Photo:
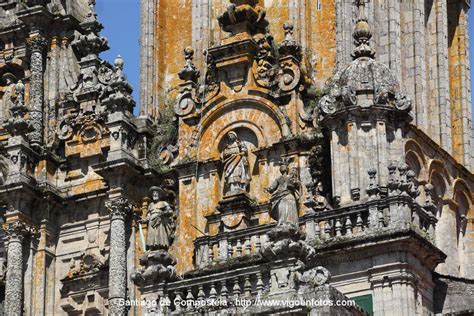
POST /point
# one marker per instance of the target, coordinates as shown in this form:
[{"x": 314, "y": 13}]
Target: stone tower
[
  {"x": 425, "y": 44},
  {"x": 297, "y": 151}
]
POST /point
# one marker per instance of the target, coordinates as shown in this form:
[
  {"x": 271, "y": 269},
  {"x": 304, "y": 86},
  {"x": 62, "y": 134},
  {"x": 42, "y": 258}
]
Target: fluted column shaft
[
  {"x": 37, "y": 46},
  {"x": 119, "y": 209}
]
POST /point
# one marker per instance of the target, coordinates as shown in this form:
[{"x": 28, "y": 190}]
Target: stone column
[
  {"x": 119, "y": 209},
  {"x": 15, "y": 232},
  {"x": 37, "y": 46}
]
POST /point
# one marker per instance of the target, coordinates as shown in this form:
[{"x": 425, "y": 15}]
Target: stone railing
[
  {"x": 218, "y": 290},
  {"x": 388, "y": 213},
  {"x": 227, "y": 245}
]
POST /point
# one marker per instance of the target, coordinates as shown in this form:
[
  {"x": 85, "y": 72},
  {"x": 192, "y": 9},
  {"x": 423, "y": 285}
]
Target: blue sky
[{"x": 121, "y": 19}]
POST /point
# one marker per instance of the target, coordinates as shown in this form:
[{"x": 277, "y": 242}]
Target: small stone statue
[
  {"x": 285, "y": 193},
  {"x": 161, "y": 221},
  {"x": 236, "y": 176},
  {"x": 320, "y": 199},
  {"x": 8, "y": 86}
]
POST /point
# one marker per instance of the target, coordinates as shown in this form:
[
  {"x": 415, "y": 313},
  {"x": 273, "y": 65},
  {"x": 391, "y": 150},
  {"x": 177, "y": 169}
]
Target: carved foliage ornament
[
  {"x": 18, "y": 230},
  {"x": 88, "y": 128},
  {"x": 118, "y": 208}
]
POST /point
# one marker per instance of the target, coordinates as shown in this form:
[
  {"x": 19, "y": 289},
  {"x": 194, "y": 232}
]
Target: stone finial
[
  {"x": 90, "y": 44},
  {"x": 362, "y": 35},
  {"x": 429, "y": 202},
  {"x": 373, "y": 188},
  {"x": 412, "y": 187},
  {"x": 119, "y": 62},
  {"x": 189, "y": 71},
  {"x": 118, "y": 94},
  {"x": 289, "y": 46},
  {"x": 288, "y": 28}
]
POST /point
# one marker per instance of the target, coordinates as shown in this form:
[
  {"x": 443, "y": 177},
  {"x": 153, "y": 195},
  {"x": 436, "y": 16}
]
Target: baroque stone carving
[
  {"x": 265, "y": 71},
  {"x": 157, "y": 264},
  {"x": 37, "y": 46},
  {"x": 17, "y": 124},
  {"x": 187, "y": 98},
  {"x": 365, "y": 83},
  {"x": 88, "y": 128},
  {"x": 118, "y": 93},
  {"x": 285, "y": 193},
  {"x": 8, "y": 86},
  {"x": 90, "y": 43},
  {"x": 241, "y": 14},
  {"x": 236, "y": 173},
  {"x": 161, "y": 221},
  {"x": 314, "y": 277},
  {"x": 88, "y": 264},
  {"x": 429, "y": 205},
  {"x": 373, "y": 188}
]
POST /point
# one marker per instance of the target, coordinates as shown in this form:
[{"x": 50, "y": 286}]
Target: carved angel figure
[
  {"x": 236, "y": 174},
  {"x": 161, "y": 221},
  {"x": 285, "y": 195}
]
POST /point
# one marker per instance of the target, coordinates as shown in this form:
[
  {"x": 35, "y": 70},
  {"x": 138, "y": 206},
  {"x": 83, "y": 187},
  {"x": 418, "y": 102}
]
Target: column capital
[
  {"x": 37, "y": 43},
  {"x": 118, "y": 208},
  {"x": 17, "y": 229}
]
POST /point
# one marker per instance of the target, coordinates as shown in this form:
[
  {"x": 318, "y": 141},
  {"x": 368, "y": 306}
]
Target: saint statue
[
  {"x": 161, "y": 221},
  {"x": 285, "y": 193},
  {"x": 8, "y": 86},
  {"x": 236, "y": 174},
  {"x": 320, "y": 199}
]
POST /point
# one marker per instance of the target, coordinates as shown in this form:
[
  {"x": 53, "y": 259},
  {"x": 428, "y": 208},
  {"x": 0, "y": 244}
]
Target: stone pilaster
[
  {"x": 15, "y": 232},
  {"x": 37, "y": 46},
  {"x": 119, "y": 209}
]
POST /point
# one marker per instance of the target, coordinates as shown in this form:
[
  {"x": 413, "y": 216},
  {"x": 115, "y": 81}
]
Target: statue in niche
[
  {"x": 236, "y": 175},
  {"x": 319, "y": 198},
  {"x": 285, "y": 193},
  {"x": 8, "y": 83},
  {"x": 161, "y": 221}
]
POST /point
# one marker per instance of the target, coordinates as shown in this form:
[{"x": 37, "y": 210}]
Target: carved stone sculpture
[
  {"x": 285, "y": 195},
  {"x": 157, "y": 264},
  {"x": 8, "y": 86},
  {"x": 161, "y": 222},
  {"x": 236, "y": 175}
]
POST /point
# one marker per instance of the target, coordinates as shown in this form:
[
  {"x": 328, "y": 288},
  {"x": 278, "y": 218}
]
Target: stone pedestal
[{"x": 233, "y": 213}]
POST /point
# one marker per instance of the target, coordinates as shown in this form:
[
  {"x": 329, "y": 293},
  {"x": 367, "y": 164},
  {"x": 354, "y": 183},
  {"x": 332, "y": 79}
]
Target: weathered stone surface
[{"x": 370, "y": 199}]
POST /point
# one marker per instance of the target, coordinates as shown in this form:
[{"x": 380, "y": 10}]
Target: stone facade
[{"x": 326, "y": 158}]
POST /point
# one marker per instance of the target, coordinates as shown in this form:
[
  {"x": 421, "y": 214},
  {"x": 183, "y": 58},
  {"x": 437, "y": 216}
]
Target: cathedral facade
[{"x": 308, "y": 157}]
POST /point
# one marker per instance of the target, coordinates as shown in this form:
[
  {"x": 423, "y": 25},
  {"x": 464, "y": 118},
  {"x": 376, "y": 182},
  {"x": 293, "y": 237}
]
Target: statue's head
[
  {"x": 232, "y": 136},
  {"x": 284, "y": 168},
  {"x": 157, "y": 193}
]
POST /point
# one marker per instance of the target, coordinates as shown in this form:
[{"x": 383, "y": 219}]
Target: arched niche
[
  {"x": 10, "y": 74},
  {"x": 465, "y": 229},
  {"x": 414, "y": 163},
  {"x": 261, "y": 118},
  {"x": 415, "y": 158}
]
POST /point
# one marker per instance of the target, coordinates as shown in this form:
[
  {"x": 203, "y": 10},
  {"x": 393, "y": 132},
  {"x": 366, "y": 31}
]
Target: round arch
[{"x": 264, "y": 119}]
